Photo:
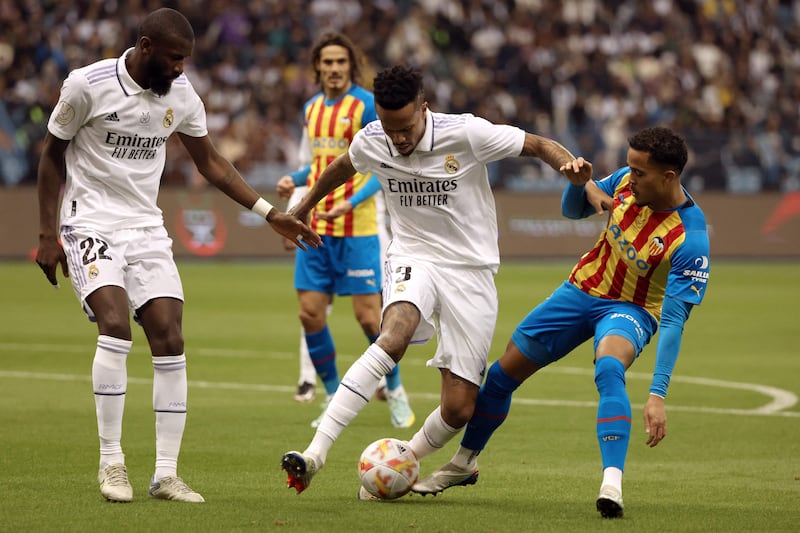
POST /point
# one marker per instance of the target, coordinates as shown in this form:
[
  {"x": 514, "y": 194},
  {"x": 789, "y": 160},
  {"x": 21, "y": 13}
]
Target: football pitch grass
[{"x": 730, "y": 462}]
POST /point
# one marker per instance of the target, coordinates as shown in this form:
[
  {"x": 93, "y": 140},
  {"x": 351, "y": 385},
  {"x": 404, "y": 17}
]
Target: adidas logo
[
  {"x": 384, "y": 165},
  {"x": 112, "y": 117}
]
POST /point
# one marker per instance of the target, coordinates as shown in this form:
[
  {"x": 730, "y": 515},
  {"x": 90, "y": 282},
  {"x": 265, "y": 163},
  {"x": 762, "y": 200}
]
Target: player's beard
[{"x": 159, "y": 82}]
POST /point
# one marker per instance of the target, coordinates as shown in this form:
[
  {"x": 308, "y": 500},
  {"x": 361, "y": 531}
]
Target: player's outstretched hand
[
  {"x": 296, "y": 231},
  {"x": 655, "y": 420},
  {"x": 342, "y": 208},
  {"x": 285, "y": 187},
  {"x": 49, "y": 255},
  {"x": 578, "y": 171}
]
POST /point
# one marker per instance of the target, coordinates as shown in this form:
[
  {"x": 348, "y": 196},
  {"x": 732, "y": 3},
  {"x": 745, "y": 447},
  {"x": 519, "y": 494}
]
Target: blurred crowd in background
[{"x": 725, "y": 73}]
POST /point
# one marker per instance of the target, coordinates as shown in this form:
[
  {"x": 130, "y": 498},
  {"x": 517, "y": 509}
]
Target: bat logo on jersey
[
  {"x": 65, "y": 114},
  {"x": 656, "y": 246},
  {"x": 145, "y": 118},
  {"x": 451, "y": 165},
  {"x": 169, "y": 118}
]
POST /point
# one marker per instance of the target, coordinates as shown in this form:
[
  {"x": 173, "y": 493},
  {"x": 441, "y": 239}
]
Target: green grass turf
[{"x": 730, "y": 462}]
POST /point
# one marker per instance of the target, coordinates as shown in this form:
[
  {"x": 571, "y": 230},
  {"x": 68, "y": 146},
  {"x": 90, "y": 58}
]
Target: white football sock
[
  {"x": 612, "y": 476},
  {"x": 356, "y": 388},
  {"x": 169, "y": 403},
  {"x": 110, "y": 383},
  {"x": 308, "y": 374},
  {"x": 464, "y": 458},
  {"x": 433, "y": 434}
]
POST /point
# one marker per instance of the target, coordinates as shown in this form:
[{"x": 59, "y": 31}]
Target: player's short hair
[
  {"x": 335, "y": 38},
  {"x": 398, "y": 86},
  {"x": 164, "y": 23},
  {"x": 664, "y": 146}
]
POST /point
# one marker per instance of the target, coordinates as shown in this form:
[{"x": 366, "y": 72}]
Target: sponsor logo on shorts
[
  {"x": 360, "y": 273},
  {"x": 639, "y": 330}
]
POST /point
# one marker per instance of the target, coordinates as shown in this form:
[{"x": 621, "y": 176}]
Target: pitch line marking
[{"x": 781, "y": 399}]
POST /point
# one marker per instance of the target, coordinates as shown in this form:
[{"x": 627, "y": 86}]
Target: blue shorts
[
  {"x": 569, "y": 317},
  {"x": 341, "y": 266}
]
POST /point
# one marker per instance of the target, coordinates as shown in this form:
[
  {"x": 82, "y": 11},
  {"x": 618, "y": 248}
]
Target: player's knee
[
  {"x": 609, "y": 372},
  {"x": 457, "y": 414},
  {"x": 312, "y": 321},
  {"x": 114, "y": 325}
]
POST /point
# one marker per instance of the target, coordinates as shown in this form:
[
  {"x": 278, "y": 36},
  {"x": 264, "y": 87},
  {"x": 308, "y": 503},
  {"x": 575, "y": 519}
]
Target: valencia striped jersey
[
  {"x": 644, "y": 255},
  {"x": 331, "y": 125}
]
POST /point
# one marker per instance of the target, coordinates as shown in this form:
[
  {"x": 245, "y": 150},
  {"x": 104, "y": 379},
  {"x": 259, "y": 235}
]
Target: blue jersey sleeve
[
  {"x": 690, "y": 265},
  {"x": 573, "y": 202},
  {"x": 369, "y": 189},
  {"x": 300, "y": 177},
  {"x": 674, "y": 314}
]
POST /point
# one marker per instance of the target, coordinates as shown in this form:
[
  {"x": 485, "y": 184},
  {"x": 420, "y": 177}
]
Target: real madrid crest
[
  {"x": 451, "y": 164},
  {"x": 93, "y": 271},
  {"x": 169, "y": 118}
]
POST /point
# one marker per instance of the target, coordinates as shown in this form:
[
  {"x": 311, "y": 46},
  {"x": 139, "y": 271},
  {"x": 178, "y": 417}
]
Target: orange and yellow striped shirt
[
  {"x": 331, "y": 126},
  {"x": 631, "y": 260}
]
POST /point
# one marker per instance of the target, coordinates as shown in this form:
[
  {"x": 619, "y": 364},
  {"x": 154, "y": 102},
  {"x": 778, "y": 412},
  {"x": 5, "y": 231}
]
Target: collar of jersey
[
  {"x": 425, "y": 144},
  {"x": 129, "y": 86}
]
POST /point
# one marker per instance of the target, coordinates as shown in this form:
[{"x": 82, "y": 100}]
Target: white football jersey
[
  {"x": 440, "y": 203},
  {"x": 118, "y": 133}
]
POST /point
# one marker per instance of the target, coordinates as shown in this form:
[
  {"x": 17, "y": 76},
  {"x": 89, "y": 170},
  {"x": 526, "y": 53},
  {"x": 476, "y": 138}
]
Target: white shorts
[
  {"x": 138, "y": 260},
  {"x": 459, "y": 305}
]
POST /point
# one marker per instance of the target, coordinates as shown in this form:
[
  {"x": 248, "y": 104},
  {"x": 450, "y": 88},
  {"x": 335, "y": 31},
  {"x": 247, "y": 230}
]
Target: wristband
[{"x": 262, "y": 207}]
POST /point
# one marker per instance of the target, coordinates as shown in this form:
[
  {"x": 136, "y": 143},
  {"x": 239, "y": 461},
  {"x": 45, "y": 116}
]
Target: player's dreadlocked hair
[
  {"x": 164, "y": 23},
  {"x": 665, "y": 147},
  {"x": 338, "y": 39},
  {"x": 398, "y": 86}
]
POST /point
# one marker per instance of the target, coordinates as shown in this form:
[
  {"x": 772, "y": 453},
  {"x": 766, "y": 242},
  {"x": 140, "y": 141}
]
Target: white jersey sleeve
[{"x": 73, "y": 107}]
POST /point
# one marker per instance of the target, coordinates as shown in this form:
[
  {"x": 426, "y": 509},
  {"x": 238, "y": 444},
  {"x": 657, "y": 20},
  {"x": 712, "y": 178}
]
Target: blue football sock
[
  {"x": 613, "y": 412},
  {"x": 491, "y": 408},
  {"x": 323, "y": 355}
]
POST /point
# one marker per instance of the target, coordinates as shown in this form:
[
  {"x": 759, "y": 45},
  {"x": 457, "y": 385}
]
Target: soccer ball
[{"x": 388, "y": 468}]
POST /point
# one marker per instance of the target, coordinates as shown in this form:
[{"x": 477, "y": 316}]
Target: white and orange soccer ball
[{"x": 388, "y": 468}]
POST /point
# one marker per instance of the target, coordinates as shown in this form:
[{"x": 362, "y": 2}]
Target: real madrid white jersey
[
  {"x": 439, "y": 199},
  {"x": 118, "y": 134}
]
